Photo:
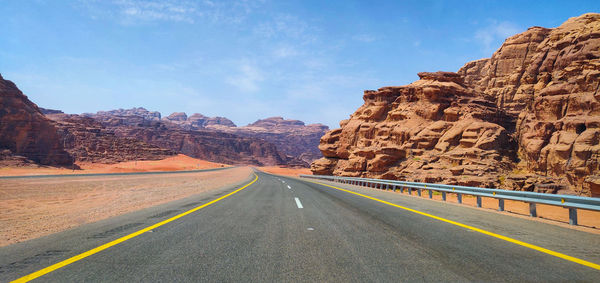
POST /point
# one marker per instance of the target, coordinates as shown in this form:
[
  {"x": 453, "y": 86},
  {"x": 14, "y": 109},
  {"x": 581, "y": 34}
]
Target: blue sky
[{"x": 245, "y": 60}]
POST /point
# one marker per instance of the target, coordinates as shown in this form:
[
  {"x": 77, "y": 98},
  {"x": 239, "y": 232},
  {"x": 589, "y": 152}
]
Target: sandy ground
[
  {"x": 175, "y": 163},
  {"x": 285, "y": 171},
  {"x": 30, "y": 208},
  {"x": 589, "y": 220}
]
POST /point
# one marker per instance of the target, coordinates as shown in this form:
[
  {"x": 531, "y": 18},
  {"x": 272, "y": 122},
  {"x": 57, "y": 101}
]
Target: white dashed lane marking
[{"x": 298, "y": 203}]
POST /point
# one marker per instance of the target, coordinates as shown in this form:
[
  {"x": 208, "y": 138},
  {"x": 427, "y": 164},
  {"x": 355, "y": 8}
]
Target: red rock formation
[
  {"x": 125, "y": 114},
  {"x": 209, "y": 145},
  {"x": 86, "y": 139},
  {"x": 188, "y": 135},
  {"x": 553, "y": 76},
  {"x": 177, "y": 117},
  {"x": 292, "y": 137},
  {"x": 25, "y": 131},
  {"x": 527, "y": 118},
  {"x": 296, "y": 143},
  {"x": 198, "y": 121},
  {"x": 434, "y": 129}
]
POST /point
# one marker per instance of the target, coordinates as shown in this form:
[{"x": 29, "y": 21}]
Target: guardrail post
[
  {"x": 532, "y": 210},
  {"x": 478, "y": 201},
  {"x": 430, "y": 194},
  {"x": 409, "y": 190},
  {"x": 572, "y": 216},
  {"x": 401, "y": 189},
  {"x": 459, "y": 198},
  {"x": 444, "y": 196},
  {"x": 394, "y": 187},
  {"x": 500, "y": 204},
  {"x": 387, "y": 187},
  {"x": 419, "y": 192}
]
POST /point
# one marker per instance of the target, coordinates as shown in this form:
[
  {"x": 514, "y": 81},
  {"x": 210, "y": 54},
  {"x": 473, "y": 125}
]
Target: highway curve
[{"x": 282, "y": 229}]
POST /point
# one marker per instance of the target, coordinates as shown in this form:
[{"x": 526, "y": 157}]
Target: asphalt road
[{"x": 282, "y": 229}]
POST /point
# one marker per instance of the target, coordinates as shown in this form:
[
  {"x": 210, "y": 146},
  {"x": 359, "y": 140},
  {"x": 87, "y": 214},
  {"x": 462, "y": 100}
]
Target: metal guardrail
[{"x": 567, "y": 201}]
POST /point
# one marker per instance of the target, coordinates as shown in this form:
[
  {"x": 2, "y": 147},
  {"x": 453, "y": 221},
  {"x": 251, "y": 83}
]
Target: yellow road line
[
  {"x": 505, "y": 238},
  {"x": 73, "y": 259}
]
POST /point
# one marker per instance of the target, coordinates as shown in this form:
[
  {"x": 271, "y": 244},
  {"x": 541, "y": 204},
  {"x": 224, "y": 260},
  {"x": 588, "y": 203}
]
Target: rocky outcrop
[
  {"x": 296, "y": 143},
  {"x": 528, "y": 118},
  {"x": 9, "y": 159},
  {"x": 176, "y": 133},
  {"x": 292, "y": 137},
  {"x": 125, "y": 117},
  {"x": 49, "y": 111},
  {"x": 88, "y": 140},
  {"x": 177, "y": 117},
  {"x": 276, "y": 124},
  {"x": 209, "y": 145},
  {"x": 198, "y": 121},
  {"x": 435, "y": 129},
  {"x": 24, "y": 130}
]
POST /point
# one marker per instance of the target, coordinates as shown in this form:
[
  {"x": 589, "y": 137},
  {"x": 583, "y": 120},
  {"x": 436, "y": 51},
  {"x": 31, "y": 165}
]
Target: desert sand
[
  {"x": 31, "y": 208},
  {"x": 175, "y": 163}
]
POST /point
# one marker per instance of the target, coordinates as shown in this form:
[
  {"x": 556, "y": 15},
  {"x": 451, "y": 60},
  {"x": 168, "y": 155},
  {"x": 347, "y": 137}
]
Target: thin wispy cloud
[
  {"x": 248, "y": 77},
  {"x": 285, "y": 26},
  {"x": 491, "y": 36},
  {"x": 285, "y": 51},
  {"x": 364, "y": 37},
  {"x": 159, "y": 10},
  {"x": 184, "y": 11}
]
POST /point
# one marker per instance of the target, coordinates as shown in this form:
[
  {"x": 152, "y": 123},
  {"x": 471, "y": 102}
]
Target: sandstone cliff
[
  {"x": 295, "y": 142},
  {"x": 199, "y": 121},
  {"x": 292, "y": 137},
  {"x": 179, "y": 133},
  {"x": 528, "y": 118},
  {"x": 24, "y": 130},
  {"x": 87, "y": 140}
]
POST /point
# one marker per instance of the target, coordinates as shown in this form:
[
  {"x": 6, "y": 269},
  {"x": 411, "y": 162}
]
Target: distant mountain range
[{"x": 29, "y": 134}]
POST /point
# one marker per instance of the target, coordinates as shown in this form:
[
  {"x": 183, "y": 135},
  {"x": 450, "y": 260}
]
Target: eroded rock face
[
  {"x": 209, "y": 145},
  {"x": 292, "y": 137},
  {"x": 527, "y": 118},
  {"x": 88, "y": 140},
  {"x": 25, "y": 131},
  {"x": 198, "y": 121},
  {"x": 548, "y": 80},
  {"x": 272, "y": 141},
  {"x": 434, "y": 129}
]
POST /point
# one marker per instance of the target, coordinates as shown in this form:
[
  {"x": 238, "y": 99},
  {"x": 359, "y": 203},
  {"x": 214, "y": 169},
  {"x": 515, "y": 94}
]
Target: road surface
[{"x": 283, "y": 229}]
